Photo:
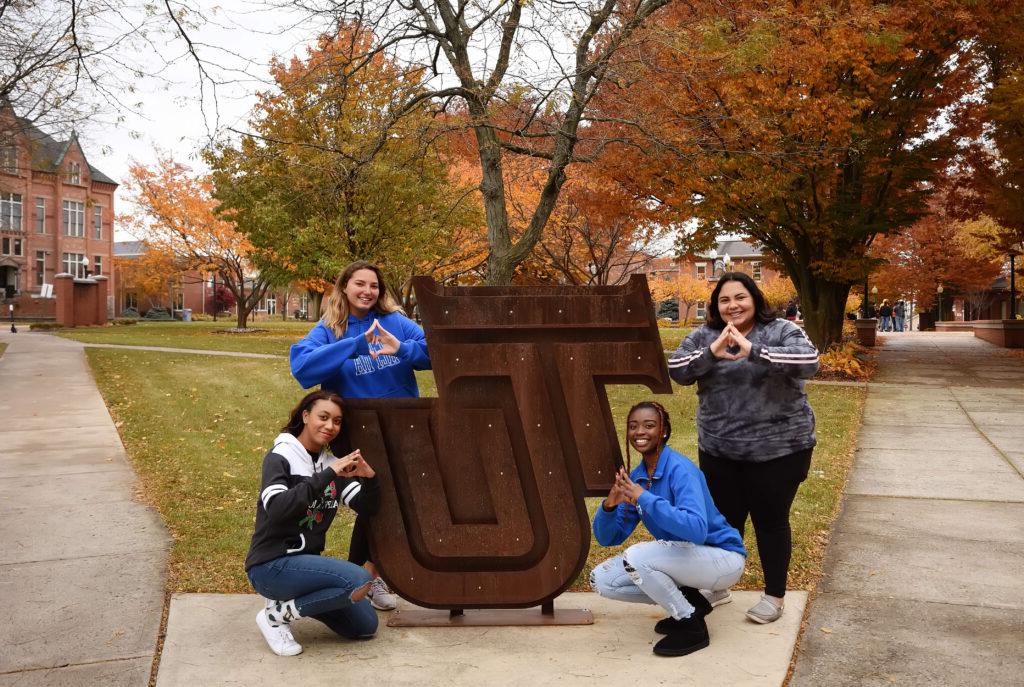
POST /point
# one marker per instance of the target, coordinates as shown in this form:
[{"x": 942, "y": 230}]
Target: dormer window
[
  {"x": 74, "y": 173},
  {"x": 8, "y": 158}
]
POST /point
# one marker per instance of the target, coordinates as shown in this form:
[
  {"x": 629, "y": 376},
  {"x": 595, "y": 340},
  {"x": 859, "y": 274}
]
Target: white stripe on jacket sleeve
[{"x": 270, "y": 492}]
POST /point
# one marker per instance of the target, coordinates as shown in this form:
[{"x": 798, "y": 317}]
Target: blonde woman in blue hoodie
[{"x": 364, "y": 347}]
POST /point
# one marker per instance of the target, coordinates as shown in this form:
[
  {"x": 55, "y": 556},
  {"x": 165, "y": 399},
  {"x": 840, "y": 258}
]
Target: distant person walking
[
  {"x": 899, "y": 312},
  {"x": 364, "y": 347},
  {"x": 755, "y": 428},
  {"x": 791, "y": 311},
  {"x": 885, "y": 324}
]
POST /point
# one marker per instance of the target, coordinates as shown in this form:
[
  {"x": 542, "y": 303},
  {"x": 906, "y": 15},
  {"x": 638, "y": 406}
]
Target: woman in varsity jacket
[
  {"x": 303, "y": 485},
  {"x": 364, "y": 347},
  {"x": 755, "y": 428}
]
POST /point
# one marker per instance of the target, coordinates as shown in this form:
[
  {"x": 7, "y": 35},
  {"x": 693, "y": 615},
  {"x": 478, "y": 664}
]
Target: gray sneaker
[
  {"x": 764, "y": 611},
  {"x": 722, "y": 596},
  {"x": 381, "y": 597}
]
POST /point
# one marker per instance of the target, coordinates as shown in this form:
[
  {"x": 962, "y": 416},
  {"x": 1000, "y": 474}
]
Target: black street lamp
[
  {"x": 10, "y": 309},
  {"x": 939, "y": 292},
  {"x": 1015, "y": 250},
  {"x": 85, "y": 265}
]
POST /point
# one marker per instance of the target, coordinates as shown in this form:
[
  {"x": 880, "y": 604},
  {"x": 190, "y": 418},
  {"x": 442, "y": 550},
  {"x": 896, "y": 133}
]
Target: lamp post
[
  {"x": 85, "y": 265},
  {"x": 727, "y": 262},
  {"x": 938, "y": 291},
  {"x": 1015, "y": 250},
  {"x": 10, "y": 309}
]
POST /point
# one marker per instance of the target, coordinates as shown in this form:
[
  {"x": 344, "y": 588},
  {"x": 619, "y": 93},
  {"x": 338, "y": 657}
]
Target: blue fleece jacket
[
  {"x": 676, "y": 506},
  {"x": 344, "y": 365}
]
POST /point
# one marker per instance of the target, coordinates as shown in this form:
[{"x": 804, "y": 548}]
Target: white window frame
[
  {"x": 72, "y": 264},
  {"x": 74, "y": 218},
  {"x": 97, "y": 264},
  {"x": 131, "y": 300},
  {"x": 271, "y": 305},
  {"x": 40, "y": 215},
  {"x": 701, "y": 270},
  {"x": 702, "y": 310},
  {"x": 755, "y": 270},
  {"x": 40, "y": 267},
  {"x": 97, "y": 221},
  {"x": 74, "y": 173},
  {"x": 11, "y": 210}
]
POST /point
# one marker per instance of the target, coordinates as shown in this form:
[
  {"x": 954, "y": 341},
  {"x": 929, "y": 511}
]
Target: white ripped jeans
[{"x": 652, "y": 572}]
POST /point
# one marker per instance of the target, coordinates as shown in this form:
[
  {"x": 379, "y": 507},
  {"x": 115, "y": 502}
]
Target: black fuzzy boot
[
  {"x": 701, "y": 608},
  {"x": 690, "y": 634}
]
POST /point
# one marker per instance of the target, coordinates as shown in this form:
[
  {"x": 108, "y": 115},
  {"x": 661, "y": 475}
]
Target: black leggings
[
  {"x": 359, "y": 546},
  {"x": 765, "y": 491}
]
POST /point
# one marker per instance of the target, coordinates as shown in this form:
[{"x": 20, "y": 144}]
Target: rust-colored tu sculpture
[{"x": 482, "y": 503}]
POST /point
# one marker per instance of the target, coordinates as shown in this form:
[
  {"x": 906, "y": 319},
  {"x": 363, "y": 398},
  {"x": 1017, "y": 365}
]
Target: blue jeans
[
  {"x": 898, "y": 322},
  {"x": 322, "y": 588},
  {"x": 652, "y": 572}
]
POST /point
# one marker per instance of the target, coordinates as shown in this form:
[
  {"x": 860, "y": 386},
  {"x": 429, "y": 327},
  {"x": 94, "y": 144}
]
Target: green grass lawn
[
  {"x": 206, "y": 336},
  {"x": 196, "y": 428},
  {"x": 3, "y": 347},
  {"x": 215, "y": 336}
]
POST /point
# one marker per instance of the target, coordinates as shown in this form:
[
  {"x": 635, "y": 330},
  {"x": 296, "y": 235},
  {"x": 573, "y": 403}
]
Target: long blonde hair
[{"x": 336, "y": 311}]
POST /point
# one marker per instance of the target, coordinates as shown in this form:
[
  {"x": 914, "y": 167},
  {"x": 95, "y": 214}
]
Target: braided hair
[{"x": 666, "y": 427}]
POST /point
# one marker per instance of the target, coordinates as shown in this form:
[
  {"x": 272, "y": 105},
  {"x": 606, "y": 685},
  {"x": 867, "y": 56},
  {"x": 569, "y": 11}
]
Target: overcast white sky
[{"x": 242, "y": 37}]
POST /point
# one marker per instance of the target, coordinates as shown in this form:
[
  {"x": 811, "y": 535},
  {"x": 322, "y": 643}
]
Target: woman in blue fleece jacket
[
  {"x": 694, "y": 548},
  {"x": 364, "y": 347}
]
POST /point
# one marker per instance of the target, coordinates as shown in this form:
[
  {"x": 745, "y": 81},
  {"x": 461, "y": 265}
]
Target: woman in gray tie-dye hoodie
[{"x": 755, "y": 428}]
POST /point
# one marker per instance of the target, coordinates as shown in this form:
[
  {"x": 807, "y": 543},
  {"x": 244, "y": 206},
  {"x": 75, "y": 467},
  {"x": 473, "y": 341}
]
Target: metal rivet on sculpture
[{"x": 482, "y": 503}]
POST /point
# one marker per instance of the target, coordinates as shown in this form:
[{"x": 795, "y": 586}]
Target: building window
[
  {"x": 755, "y": 268},
  {"x": 702, "y": 310},
  {"x": 178, "y": 303},
  {"x": 131, "y": 300},
  {"x": 97, "y": 222},
  {"x": 702, "y": 270},
  {"x": 40, "y": 267},
  {"x": 9, "y": 157},
  {"x": 74, "y": 218},
  {"x": 271, "y": 305},
  {"x": 72, "y": 264},
  {"x": 10, "y": 211},
  {"x": 97, "y": 264},
  {"x": 40, "y": 215},
  {"x": 12, "y": 246},
  {"x": 303, "y": 307},
  {"x": 74, "y": 173}
]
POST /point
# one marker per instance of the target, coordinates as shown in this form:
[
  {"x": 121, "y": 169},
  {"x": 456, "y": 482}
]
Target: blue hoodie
[
  {"x": 345, "y": 367},
  {"x": 675, "y": 507}
]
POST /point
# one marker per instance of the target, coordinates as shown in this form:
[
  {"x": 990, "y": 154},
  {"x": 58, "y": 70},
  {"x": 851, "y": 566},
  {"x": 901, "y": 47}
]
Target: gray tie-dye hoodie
[{"x": 752, "y": 409}]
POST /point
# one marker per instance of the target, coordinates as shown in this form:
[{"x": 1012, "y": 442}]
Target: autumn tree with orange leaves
[
  {"x": 688, "y": 290},
  {"x": 808, "y": 127},
  {"x": 176, "y": 216},
  {"x": 325, "y": 175}
]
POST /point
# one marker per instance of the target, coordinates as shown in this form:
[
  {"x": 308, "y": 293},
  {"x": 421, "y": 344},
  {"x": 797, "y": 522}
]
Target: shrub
[
  {"x": 44, "y": 326},
  {"x": 847, "y": 360},
  {"x": 123, "y": 321}
]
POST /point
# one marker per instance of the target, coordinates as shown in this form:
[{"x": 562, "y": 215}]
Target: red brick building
[{"x": 56, "y": 210}]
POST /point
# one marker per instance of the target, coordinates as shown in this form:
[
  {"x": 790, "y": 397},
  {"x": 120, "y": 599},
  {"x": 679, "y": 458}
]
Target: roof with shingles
[
  {"x": 48, "y": 153},
  {"x": 128, "y": 248}
]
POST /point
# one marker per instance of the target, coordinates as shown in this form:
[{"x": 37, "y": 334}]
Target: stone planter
[
  {"x": 1005, "y": 333},
  {"x": 866, "y": 330}
]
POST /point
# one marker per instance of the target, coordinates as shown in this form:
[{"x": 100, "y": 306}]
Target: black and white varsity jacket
[{"x": 299, "y": 497}]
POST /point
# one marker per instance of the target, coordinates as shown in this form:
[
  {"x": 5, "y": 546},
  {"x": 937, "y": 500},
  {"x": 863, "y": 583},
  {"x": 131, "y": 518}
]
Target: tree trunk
[
  {"x": 824, "y": 308},
  {"x": 241, "y": 307}
]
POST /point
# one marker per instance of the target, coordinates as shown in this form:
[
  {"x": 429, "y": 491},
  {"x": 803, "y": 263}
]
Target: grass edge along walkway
[{"x": 196, "y": 428}]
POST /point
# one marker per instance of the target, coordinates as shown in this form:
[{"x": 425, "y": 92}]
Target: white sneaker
[
  {"x": 764, "y": 611},
  {"x": 279, "y": 639},
  {"x": 382, "y": 598},
  {"x": 722, "y": 596}
]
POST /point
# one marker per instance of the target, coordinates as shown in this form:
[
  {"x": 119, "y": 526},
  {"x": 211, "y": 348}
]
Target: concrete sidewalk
[
  {"x": 82, "y": 565},
  {"x": 923, "y": 580},
  {"x": 212, "y": 639}
]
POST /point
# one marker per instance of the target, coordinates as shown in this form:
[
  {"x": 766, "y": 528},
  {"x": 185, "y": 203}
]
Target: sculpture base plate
[{"x": 490, "y": 617}]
